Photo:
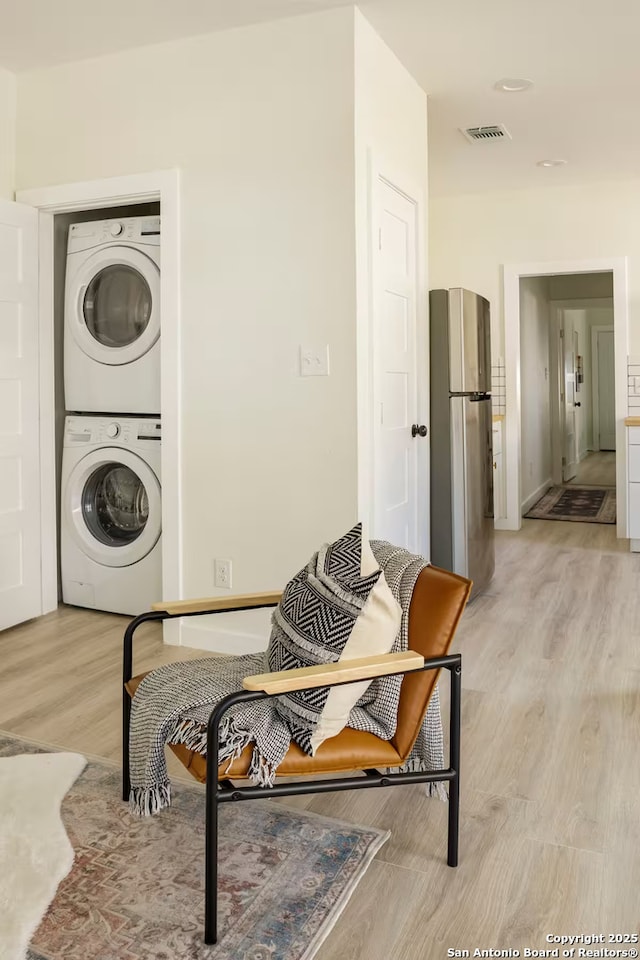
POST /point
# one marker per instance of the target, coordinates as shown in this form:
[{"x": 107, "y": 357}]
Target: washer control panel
[
  {"x": 139, "y": 229},
  {"x": 88, "y": 430}
]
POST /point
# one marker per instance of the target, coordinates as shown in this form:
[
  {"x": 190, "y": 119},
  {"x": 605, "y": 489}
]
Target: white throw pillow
[{"x": 374, "y": 632}]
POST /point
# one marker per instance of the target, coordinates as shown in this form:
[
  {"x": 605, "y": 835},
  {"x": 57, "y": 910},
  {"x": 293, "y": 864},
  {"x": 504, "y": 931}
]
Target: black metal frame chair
[{"x": 224, "y": 791}]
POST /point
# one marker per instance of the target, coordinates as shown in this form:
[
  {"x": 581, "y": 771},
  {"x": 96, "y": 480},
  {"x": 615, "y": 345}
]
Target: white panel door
[
  {"x": 570, "y": 443},
  {"x": 20, "y": 571},
  {"x": 606, "y": 392},
  {"x": 396, "y": 451}
]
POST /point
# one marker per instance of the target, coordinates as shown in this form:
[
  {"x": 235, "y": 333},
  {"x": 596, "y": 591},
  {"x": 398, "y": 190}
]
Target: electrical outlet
[{"x": 223, "y": 574}]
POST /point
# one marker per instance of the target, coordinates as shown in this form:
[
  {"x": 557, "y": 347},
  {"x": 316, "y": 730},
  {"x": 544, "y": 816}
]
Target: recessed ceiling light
[
  {"x": 551, "y": 163},
  {"x": 513, "y": 85}
]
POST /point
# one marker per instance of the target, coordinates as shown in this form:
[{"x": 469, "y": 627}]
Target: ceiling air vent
[{"x": 496, "y": 131}]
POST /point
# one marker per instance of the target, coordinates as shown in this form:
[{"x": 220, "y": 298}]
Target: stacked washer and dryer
[{"x": 111, "y": 493}]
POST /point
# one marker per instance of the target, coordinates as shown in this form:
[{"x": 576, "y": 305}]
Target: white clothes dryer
[
  {"x": 112, "y": 316},
  {"x": 111, "y": 522}
]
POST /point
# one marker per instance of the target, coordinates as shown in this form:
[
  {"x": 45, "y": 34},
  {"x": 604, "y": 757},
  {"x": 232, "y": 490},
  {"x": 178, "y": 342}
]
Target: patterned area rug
[
  {"x": 136, "y": 888},
  {"x": 586, "y": 504}
]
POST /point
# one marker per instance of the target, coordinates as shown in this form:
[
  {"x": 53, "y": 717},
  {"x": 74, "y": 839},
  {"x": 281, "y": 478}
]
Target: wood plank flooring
[
  {"x": 550, "y": 823},
  {"x": 598, "y": 469}
]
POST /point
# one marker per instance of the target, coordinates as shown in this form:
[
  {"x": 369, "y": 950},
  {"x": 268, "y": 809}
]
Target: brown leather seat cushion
[
  {"x": 350, "y": 750},
  {"x": 438, "y": 600}
]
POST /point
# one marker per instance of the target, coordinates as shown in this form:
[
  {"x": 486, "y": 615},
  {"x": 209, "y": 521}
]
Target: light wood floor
[
  {"x": 598, "y": 469},
  {"x": 550, "y": 832}
]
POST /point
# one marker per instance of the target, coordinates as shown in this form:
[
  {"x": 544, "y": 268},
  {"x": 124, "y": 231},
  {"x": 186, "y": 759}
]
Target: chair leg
[
  {"x": 211, "y": 867},
  {"x": 211, "y": 835},
  {"x": 454, "y": 763}
]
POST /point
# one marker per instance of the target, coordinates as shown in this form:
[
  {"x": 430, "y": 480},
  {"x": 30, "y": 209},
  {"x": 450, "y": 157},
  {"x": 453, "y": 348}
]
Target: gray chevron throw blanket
[{"x": 174, "y": 702}]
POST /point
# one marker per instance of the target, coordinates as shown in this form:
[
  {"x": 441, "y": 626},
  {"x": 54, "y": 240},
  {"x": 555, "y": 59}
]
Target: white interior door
[
  {"x": 396, "y": 451},
  {"x": 606, "y": 426},
  {"x": 20, "y": 572},
  {"x": 568, "y": 405}
]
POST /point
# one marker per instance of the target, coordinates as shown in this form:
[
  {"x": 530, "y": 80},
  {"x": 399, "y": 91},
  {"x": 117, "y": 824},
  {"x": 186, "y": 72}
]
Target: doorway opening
[
  {"x": 62, "y": 222},
  {"x": 566, "y": 346},
  {"x": 54, "y": 210},
  {"x": 567, "y": 364}
]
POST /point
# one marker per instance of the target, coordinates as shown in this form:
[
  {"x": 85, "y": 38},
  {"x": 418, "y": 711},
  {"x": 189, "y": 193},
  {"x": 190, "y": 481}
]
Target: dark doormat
[{"x": 585, "y": 504}]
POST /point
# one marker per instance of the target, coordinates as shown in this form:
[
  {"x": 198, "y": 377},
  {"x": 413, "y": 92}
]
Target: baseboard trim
[
  {"x": 535, "y": 496},
  {"x": 171, "y": 633},
  {"x": 214, "y": 636}
]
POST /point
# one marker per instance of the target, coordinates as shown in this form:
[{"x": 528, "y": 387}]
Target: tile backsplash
[
  {"x": 498, "y": 390},
  {"x": 633, "y": 385}
]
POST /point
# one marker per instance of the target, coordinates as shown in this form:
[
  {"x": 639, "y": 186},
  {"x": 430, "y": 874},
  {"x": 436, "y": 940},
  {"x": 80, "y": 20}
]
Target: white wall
[
  {"x": 535, "y": 392},
  {"x": 390, "y": 139},
  {"x": 260, "y": 121},
  {"x": 7, "y": 133},
  {"x": 471, "y": 237}
]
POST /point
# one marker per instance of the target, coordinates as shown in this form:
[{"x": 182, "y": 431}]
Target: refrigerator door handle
[{"x": 474, "y": 396}]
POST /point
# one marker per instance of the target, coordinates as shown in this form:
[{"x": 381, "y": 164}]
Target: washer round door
[
  {"x": 115, "y": 304},
  {"x": 113, "y": 504}
]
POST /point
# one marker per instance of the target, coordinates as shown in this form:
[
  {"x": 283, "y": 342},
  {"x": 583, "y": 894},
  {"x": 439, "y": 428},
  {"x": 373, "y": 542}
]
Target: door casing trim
[
  {"x": 512, "y": 274},
  {"x": 162, "y": 185}
]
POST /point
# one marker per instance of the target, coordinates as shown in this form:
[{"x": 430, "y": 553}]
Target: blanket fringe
[
  {"x": 146, "y": 801},
  {"x": 437, "y": 790},
  {"x": 232, "y": 740},
  {"x": 261, "y": 772},
  {"x": 193, "y": 735}
]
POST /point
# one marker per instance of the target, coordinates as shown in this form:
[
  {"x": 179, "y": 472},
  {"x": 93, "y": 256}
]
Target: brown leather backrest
[{"x": 439, "y": 597}]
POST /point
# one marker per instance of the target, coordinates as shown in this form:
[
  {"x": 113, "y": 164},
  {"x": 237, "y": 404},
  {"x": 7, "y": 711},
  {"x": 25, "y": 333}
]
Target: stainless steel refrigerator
[{"x": 462, "y": 531}]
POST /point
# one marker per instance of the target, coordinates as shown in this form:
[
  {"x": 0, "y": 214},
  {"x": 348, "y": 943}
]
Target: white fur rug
[{"x": 35, "y": 853}]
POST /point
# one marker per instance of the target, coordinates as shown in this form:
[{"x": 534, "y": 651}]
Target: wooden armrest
[
  {"x": 219, "y": 604},
  {"x": 328, "y": 674}
]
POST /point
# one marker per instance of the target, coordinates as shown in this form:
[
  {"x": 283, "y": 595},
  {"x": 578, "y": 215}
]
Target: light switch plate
[{"x": 314, "y": 361}]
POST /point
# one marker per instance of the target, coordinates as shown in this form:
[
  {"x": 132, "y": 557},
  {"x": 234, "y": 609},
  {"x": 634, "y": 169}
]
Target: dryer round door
[
  {"x": 115, "y": 304},
  {"x": 113, "y": 506}
]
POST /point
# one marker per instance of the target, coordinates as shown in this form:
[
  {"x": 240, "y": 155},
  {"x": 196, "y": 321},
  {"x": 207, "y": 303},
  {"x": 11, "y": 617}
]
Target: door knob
[
  {"x": 578, "y": 404},
  {"x": 418, "y": 430}
]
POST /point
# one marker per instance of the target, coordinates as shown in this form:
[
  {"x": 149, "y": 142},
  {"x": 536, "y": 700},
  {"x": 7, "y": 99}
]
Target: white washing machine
[
  {"x": 111, "y": 513},
  {"x": 112, "y": 316}
]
